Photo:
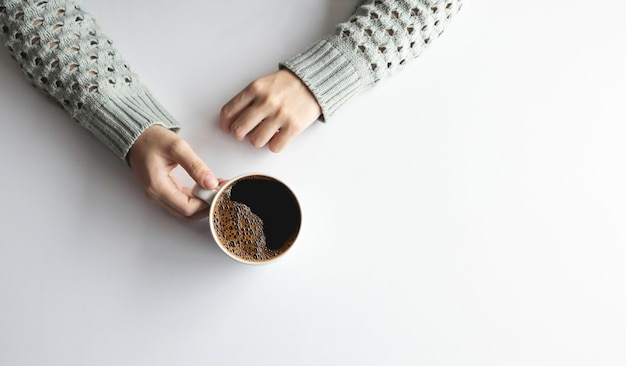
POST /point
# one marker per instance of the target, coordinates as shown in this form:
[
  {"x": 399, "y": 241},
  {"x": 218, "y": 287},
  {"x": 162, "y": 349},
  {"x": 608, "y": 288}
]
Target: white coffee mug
[{"x": 254, "y": 218}]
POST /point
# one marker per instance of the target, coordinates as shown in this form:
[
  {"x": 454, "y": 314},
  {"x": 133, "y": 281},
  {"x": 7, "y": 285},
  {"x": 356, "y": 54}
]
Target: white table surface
[{"x": 468, "y": 211}]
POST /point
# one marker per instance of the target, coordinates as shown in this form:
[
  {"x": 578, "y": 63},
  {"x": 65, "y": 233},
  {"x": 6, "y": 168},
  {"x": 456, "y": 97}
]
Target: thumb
[{"x": 184, "y": 155}]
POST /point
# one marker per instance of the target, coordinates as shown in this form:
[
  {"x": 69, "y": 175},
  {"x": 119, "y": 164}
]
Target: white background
[{"x": 468, "y": 211}]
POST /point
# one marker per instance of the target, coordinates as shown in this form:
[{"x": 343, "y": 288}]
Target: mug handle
[{"x": 207, "y": 195}]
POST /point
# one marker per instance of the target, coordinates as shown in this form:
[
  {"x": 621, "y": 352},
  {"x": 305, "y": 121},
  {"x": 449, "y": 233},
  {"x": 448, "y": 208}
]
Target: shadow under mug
[{"x": 254, "y": 218}]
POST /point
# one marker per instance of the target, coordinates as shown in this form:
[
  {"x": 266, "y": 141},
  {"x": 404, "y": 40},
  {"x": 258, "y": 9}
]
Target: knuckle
[
  {"x": 256, "y": 141},
  {"x": 255, "y": 87},
  {"x": 275, "y": 148},
  {"x": 177, "y": 146},
  {"x": 239, "y": 132},
  {"x": 225, "y": 111},
  {"x": 276, "y": 104},
  {"x": 273, "y": 102},
  {"x": 187, "y": 212}
]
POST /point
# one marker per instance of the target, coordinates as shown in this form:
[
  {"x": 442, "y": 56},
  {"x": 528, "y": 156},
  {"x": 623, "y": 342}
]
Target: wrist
[
  {"x": 146, "y": 138},
  {"x": 300, "y": 88},
  {"x": 331, "y": 90}
]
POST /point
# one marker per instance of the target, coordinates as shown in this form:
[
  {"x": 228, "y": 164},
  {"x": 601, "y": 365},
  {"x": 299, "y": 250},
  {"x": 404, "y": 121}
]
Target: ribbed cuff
[
  {"x": 329, "y": 75},
  {"x": 117, "y": 118}
]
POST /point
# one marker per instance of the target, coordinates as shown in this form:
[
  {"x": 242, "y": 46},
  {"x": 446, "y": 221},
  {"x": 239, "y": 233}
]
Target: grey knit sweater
[{"x": 64, "y": 53}]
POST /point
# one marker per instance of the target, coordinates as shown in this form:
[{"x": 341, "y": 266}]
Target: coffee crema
[{"x": 256, "y": 219}]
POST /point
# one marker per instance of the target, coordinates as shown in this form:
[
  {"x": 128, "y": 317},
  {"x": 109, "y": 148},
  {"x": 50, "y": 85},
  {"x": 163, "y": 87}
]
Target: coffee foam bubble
[{"x": 240, "y": 231}]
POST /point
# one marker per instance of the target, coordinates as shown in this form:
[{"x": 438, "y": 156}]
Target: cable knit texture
[
  {"x": 379, "y": 38},
  {"x": 64, "y": 53}
]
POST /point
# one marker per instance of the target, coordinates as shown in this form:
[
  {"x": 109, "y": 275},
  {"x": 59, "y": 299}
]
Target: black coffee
[{"x": 257, "y": 218}]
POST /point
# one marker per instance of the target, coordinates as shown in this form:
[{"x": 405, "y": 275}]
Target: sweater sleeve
[
  {"x": 379, "y": 38},
  {"x": 64, "y": 53}
]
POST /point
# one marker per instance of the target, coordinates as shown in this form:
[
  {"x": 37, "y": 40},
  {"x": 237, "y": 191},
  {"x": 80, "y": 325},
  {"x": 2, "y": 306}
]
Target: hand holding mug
[{"x": 154, "y": 156}]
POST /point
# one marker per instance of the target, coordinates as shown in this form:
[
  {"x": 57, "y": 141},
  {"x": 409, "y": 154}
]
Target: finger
[
  {"x": 194, "y": 217},
  {"x": 176, "y": 182},
  {"x": 231, "y": 110},
  {"x": 204, "y": 212},
  {"x": 184, "y": 155},
  {"x": 282, "y": 138},
  {"x": 248, "y": 120},
  {"x": 264, "y": 132},
  {"x": 184, "y": 203},
  {"x": 189, "y": 192}
]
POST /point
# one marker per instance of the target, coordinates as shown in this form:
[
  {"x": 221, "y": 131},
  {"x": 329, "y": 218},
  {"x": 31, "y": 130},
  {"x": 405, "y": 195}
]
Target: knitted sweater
[
  {"x": 64, "y": 53},
  {"x": 379, "y": 38}
]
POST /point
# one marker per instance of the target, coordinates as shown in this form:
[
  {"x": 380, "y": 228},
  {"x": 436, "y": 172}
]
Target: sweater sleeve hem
[{"x": 123, "y": 117}]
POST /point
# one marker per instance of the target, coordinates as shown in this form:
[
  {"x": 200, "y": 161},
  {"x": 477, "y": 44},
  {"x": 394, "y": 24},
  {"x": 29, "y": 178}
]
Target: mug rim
[{"x": 230, "y": 183}]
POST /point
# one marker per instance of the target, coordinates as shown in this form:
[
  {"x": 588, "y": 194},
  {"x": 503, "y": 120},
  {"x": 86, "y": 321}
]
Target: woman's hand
[
  {"x": 154, "y": 156},
  {"x": 273, "y": 109}
]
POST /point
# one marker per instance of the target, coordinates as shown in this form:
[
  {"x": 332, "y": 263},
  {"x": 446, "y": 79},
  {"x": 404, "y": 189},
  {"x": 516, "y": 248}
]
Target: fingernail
[{"x": 210, "y": 182}]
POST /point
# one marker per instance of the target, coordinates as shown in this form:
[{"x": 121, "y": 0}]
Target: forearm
[
  {"x": 379, "y": 39},
  {"x": 64, "y": 53}
]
